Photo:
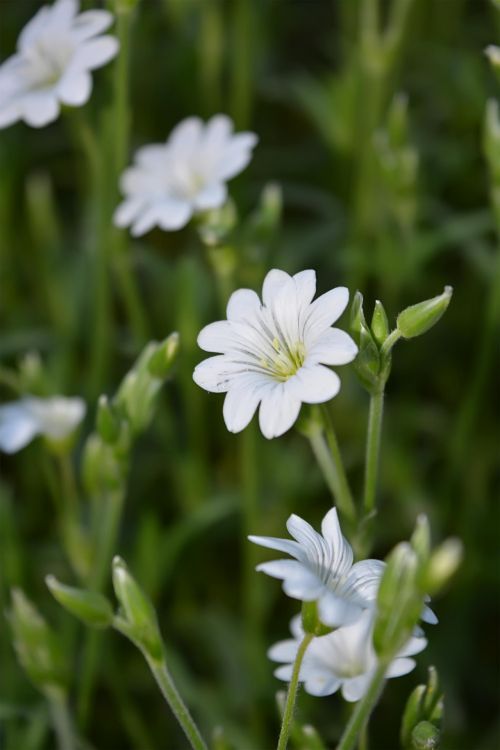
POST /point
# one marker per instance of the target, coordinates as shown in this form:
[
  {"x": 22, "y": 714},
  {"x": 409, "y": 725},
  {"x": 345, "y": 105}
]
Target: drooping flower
[
  {"x": 55, "y": 418},
  {"x": 323, "y": 571},
  {"x": 344, "y": 659},
  {"x": 56, "y": 51},
  {"x": 172, "y": 181},
  {"x": 274, "y": 352}
]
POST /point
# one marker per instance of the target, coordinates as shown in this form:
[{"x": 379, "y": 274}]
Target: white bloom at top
[
  {"x": 274, "y": 352},
  {"x": 323, "y": 571},
  {"x": 56, "y": 51},
  {"x": 55, "y": 418},
  {"x": 171, "y": 181},
  {"x": 343, "y": 659}
]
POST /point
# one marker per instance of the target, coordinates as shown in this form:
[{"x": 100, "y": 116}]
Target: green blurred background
[{"x": 373, "y": 130}]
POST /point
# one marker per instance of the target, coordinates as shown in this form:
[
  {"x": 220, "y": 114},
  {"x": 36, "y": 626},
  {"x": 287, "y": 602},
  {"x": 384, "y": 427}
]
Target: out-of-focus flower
[
  {"x": 273, "y": 353},
  {"x": 55, "y": 418},
  {"x": 171, "y": 181},
  {"x": 342, "y": 659},
  {"x": 323, "y": 570},
  {"x": 56, "y": 51}
]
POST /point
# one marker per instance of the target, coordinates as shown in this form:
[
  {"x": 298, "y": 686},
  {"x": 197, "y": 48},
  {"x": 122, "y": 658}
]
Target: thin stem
[
  {"x": 391, "y": 339},
  {"x": 340, "y": 485},
  {"x": 62, "y": 721},
  {"x": 361, "y": 713},
  {"x": 68, "y": 483},
  {"x": 286, "y": 724},
  {"x": 178, "y": 707},
  {"x": 375, "y": 417}
]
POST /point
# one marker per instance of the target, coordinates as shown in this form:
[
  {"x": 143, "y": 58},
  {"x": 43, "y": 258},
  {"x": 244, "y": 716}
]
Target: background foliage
[{"x": 385, "y": 188}]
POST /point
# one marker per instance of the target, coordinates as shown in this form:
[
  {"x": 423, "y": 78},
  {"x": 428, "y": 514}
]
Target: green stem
[
  {"x": 391, "y": 339},
  {"x": 375, "y": 417},
  {"x": 178, "y": 707},
  {"x": 286, "y": 724},
  {"x": 62, "y": 721},
  {"x": 333, "y": 468},
  {"x": 68, "y": 484},
  {"x": 361, "y": 713}
]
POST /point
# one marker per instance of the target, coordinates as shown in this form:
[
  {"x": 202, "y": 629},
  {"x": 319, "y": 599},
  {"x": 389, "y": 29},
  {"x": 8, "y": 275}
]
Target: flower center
[
  {"x": 51, "y": 55},
  {"x": 285, "y": 361}
]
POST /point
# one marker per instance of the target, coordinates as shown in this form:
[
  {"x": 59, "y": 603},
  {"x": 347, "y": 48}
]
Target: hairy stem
[{"x": 291, "y": 697}]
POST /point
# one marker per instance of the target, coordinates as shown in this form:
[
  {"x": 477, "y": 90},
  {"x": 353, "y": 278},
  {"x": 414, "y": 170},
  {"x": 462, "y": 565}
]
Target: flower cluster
[
  {"x": 323, "y": 571},
  {"x": 274, "y": 352},
  {"x": 55, "y": 418},
  {"x": 56, "y": 51},
  {"x": 187, "y": 175}
]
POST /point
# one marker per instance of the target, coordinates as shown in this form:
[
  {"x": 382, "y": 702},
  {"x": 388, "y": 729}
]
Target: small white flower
[
  {"x": 274, "y": 352},
  {"x": 171, "y": 181},
  {"x": 56, "y": 51},
  {"x": 323, "y": 571},
  {"x": 343, "y": 659},
  {"x": 55, "y": 418}
]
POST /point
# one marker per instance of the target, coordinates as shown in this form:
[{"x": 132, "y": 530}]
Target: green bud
[
  {"x": 107, "y": 422},
  {"x": 425, "y": 736},
  {"x": 310, "y": 739},
  {"x": 442, "y": 565},
  {"x": 215, "y": 226},
  {"x": 367, "y": 362},
  {"x": 425, "y": 703},
  {"x": 90, "y": 607},
  {"x": 419, "y": 318},
  {"x": 31, "y": 373},
  {"x": 421, "y": 539},
  {"x": 310, "y": 620},
  {"x": 380, "y": 324},
  {"x": 412, "y": 715},
  {"x": 103, "y": 466},
  {"x": 161, "y": 360},
  {"x": 137, "y": 392},
  {"x": 399, "y": 602},
  {"x": 138, "y": 611},
  {"x": 268, "y": 214},
  {"x": 37, "y": 646}
]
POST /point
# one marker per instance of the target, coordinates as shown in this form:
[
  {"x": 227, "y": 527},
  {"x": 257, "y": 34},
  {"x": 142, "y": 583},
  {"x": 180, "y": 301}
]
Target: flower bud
[
  {"x": 161, "y": 360},
  {"x": 421, "y": 539},
  {"x": 425, "y": 736},
  {"x": 443, "y": 564},
  {"x": 90, "y": 607},
  {"x": 107, "y": 422},
  {"x": 214, "y": 226},
  {"x": 425, "y": 704},
  {"x": 103, "y": 468},
  {"x": 380, "y": 324},
  {"x": 492, "y": 52},
  {"x": 367, "y": 363},
  {"x": 418, "y": 318},
  {"x": 138, "y": 611},
  {"x": 37, "y": 646}
]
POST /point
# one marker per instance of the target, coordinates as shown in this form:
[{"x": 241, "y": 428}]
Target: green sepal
[
  {"x": 380, "y": 323},
  {"x": 367, "y": 363},
  {"x": 163, "y": 357},
  {"x": 90, "y": 607},
  {"x": 311, "y": 622},
  {"x": 419, "y": 318},
  {"x": 107, "y": 421}
]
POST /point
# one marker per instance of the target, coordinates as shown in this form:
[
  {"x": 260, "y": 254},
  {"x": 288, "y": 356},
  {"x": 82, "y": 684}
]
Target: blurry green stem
[
  {"x": 361, "y": 713},
  {"x": 177, "y": 705},
  {"x": 375, "y": 417},
  {"x": 391, "y": 339},
  {"x": 330, "y": 463},
  {"x": 68, "y": 483},
  {"x": 61, "y": 720},
  {"x": 286, "y": 723}
]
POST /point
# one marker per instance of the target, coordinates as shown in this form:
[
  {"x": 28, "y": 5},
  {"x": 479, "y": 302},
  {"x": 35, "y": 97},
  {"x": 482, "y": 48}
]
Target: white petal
[
  {"x": 212, "y": 196},
  {"x": 75, "y": 89},
  {"x": 217, "y": 374},
  {"x": 243, "y": 305},
  {"x": 400, "y": 667},
  {"x": 146, "y": 220},
  {"x": 185, "y": 137},
  {"x": 274, "y": 281},
  {"x": 127, "y": 211},
  {"x": 284, "y": 651},
  {"x": 96, "y": 52},
  {"x": 307, "y": 587},
  {"x": 324, "y": 311},
  {"x": 342, "y": 551},
  {"x": 216, "y": 337},
  {"x": 282, "y": 545},
  {"x": 90, "y": 23},
  {"x": 321, "y": 684},
  {"x": 173, "y": 214},
  {"x": 305, "y": 282},
  {"x": 278, "y": 411},
  {"x": 33, "y": 28},
  {"x": 307, "y": 537},
  {"x": 414, "y": 646},
  {"x": 335, "y": 611},
  {"x": 240, "y": 405},
  {"x": 296, "y": 628},
  {"x": 17, "y": 427},
  {"x": 284, "y": 673},
  {"x": 429, "y": 616},
  {"x": 354, "y": 688},
  {"x": 9, "y": 113},
  {"x": 236, "y": 156},
  {"x": 63, "y": 12},
  {"x": 286, "y": 569},
  {"x": 313, "y": 385},
  {"x": 333, "y": 347},
  {"x": 150, "y": 156},
  {"x": 38, "y": 108},
  {"x": 364, "y": 578}
]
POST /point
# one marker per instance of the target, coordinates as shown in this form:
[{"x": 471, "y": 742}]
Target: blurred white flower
[
  {"x": 171, "y": 181},
  {"x": 55, "y": 418},
  {"x": 56, "y": 51},
  {"x": 274, "y": 352},
  {"x": 323, "y": 570},
  {"x": 343, "y": 659}
]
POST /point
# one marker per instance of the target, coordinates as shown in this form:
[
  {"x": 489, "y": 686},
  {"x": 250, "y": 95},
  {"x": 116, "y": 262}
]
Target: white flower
[
  {"x": 21, "y": 421},
  {"x": 323, "y": 571},
  {"x": 274, "y": 352},
  {"x": 171, "y": 181},
  {"x": 56, "y": 51},
  {"x": 343, "y": 659}
]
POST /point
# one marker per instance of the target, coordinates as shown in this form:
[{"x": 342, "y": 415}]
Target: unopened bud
[
  {"x": 367, "y": 363},
  {"x": 214, "y": 226},
  {"x": 442, "y": 565},
  {"x": 161, "y": 360},
  {"x": 107, "y": 422},
  {"x": 90, "y": 607},
  {"x": 425, "y": 736},
  {"x": 419, "y": 318},
  {"x": 421, "y": 538},
  {"x": 380, "y": 324}
]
